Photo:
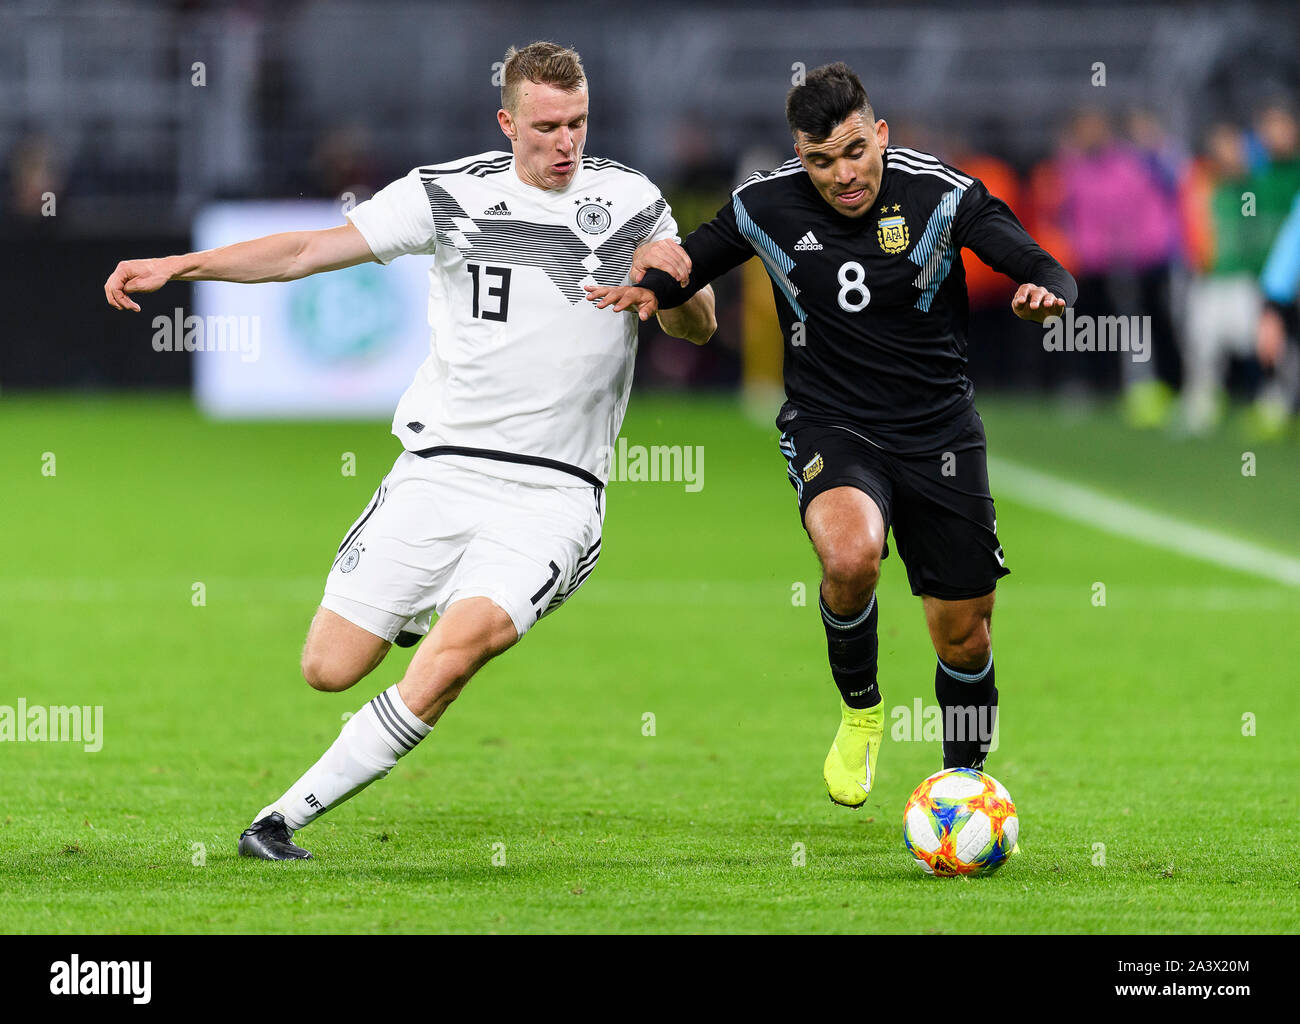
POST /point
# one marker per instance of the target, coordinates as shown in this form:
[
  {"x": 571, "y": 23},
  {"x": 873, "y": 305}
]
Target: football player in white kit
[{"x": 491, "y": 516}]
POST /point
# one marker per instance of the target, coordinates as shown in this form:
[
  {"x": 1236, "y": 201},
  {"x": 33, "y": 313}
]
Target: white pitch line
[{"x": 1114, "y": 515}]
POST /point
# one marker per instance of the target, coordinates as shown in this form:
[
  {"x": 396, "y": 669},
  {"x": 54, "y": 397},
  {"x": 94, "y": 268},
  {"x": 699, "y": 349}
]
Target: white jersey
[{"x": 525, "y": 379}]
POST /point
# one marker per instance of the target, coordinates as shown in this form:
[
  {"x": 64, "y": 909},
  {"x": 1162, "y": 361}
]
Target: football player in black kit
[{"x": 862, "y": 242}]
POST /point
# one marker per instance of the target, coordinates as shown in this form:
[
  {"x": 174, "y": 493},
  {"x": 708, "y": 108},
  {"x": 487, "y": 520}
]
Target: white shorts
[{"x": 435, "y": 533}]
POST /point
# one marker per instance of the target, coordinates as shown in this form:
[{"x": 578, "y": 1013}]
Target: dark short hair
[{"x": 828, "y": 95}]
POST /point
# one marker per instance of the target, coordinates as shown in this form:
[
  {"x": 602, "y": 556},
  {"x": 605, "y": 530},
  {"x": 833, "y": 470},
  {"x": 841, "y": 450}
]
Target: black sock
[
  {"x": 970, "y": 709},
  {"x": 852, "y": 647}
]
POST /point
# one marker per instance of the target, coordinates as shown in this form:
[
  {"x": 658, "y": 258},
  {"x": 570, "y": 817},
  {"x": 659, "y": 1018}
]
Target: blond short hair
[{"x": 542, "y": 63}]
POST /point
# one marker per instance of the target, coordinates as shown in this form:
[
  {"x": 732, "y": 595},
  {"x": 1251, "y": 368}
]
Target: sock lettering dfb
[
  {"x": 853, "y": 647},
  {"x": 367, "y": 748},
  {"x": 970, "y": 709}
]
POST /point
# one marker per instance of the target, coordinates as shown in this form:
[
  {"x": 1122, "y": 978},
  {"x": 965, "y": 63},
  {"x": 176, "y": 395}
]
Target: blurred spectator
[
  {"x": 1169, "y": 162},
  {"x": 34, "y": 173},
  {"x": 1223, "y": 299},
  {"x": 1166, "y": 157},
  {"x": 702, "y": 173},
  {"x": 1275, "y": 177},
  {"x": 342, "y": 162},
  {"x": 1277, "y": 136},
  {"x": 1243, "y": 208},
  {"x": 1119, "y": 208},
  {"x": 1280, "y": 282}
]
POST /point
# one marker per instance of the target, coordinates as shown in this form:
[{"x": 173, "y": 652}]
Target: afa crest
[
  {"x": 814, "y": 467},
  {"x": 891, "y": 233}
]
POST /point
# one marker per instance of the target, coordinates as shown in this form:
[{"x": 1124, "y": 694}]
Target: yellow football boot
[{"x": 851, "y": 765}]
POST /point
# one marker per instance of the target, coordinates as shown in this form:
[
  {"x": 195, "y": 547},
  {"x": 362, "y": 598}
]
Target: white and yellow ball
[{"x": 960, "y": 821}]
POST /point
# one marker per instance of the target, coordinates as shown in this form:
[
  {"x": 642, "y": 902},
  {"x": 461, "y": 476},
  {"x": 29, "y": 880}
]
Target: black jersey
[{"x": 873, "y": 309}]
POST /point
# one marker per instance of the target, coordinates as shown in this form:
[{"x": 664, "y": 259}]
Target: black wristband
[
  {"x": 1063, "y": 286},
  {"x": 665, "y": 287}
]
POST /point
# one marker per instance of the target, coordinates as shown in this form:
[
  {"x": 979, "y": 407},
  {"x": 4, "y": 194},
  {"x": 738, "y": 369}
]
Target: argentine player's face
[
  {"x": 547, "y": 132},
  {"x": 847, "y": 165}
]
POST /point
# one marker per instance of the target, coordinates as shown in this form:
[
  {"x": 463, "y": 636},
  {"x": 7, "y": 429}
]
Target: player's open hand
[
  {"x": 665, "y": 255},
  {"x": 135, "y": 276},
  {"x": 1033, "y": 302},
  {"x": 624, "y": 297}
]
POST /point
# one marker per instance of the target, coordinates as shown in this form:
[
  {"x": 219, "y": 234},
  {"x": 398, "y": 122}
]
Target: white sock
[{"x": 367, "y": 749}]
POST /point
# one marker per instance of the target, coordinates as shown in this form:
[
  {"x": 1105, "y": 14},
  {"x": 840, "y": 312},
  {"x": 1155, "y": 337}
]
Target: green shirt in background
[{"x": 1241, "y": 243}]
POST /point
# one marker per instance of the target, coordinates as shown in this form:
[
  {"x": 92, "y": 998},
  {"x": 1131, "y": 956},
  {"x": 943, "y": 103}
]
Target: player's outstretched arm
[
  {"x": 283, "y": 257},
  {"x": 985, "y": 225}
]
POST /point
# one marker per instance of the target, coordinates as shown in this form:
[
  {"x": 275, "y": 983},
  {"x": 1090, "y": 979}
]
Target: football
[{"x": 960, "y": 821}]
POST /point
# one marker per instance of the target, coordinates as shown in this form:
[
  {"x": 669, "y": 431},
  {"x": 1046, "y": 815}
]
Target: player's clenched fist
[
  {"x": 665, "y": 255},
  {"x": 1033, "y": 302},
  {"x": 135, "y": 276}
]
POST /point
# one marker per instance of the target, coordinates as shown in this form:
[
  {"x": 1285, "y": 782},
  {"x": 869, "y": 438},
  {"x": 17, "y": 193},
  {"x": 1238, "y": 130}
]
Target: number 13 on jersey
[{"x": 491, "y": 300}]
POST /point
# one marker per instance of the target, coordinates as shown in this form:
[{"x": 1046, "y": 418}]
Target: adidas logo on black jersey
[
  {"x": 497, "y": 211},
  {"x": 808, "y": 242}
]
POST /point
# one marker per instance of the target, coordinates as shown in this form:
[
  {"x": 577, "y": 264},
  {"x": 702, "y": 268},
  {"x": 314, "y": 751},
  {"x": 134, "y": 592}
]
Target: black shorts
[{"x": 938, "y": 504}]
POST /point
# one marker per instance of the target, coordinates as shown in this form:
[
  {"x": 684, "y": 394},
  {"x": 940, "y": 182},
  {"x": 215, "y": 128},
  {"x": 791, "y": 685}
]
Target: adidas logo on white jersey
[
  {"x": 497, "y": 211},
  {"x": 807, "y": 243}
]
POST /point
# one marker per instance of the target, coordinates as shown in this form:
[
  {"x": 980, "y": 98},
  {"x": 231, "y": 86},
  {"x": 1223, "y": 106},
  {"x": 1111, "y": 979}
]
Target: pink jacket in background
[{"x": 1116, "y": 214}]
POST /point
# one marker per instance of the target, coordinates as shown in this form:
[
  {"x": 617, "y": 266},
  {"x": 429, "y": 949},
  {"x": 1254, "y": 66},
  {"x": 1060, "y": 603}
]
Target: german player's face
[
  {"x": 547, "y": 132},
  {"x": 846, "y": 166}
]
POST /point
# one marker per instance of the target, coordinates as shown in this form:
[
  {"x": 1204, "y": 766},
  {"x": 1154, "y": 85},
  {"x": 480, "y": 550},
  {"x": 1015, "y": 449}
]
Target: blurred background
[
  {"x": 171, "y": 514},
  {"x": 1152, "y": 148}
]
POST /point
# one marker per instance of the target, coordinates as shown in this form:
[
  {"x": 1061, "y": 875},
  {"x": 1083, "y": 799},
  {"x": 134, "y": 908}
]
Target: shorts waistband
[{"x": 523, "y": 460}]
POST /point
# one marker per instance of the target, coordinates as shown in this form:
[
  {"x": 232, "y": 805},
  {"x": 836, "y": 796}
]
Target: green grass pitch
[{"x": 539, "y": 804}]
